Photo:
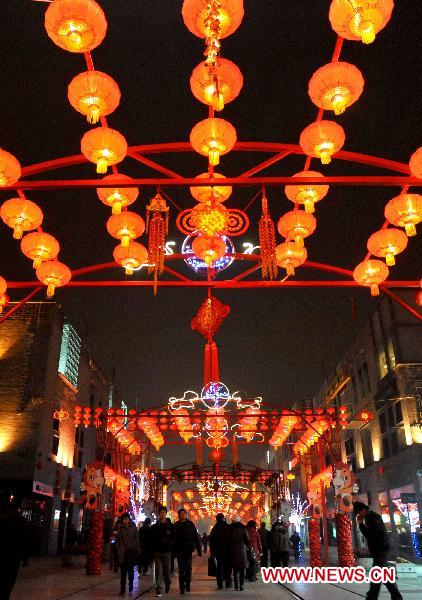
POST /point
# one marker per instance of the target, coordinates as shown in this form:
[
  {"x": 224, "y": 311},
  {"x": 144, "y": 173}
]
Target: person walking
[
  {"x": 162, "y": 536},
  {"x": 255, "y": 551},
  {"x": 204, "y": 541},
  {"x": 264, "y": 535},
  {"x": 145, "y": 540},
  {"x": 375, "y": 532},
  {"x": 128, "y": 547},
  {"x": 279, "y": 545},
  {"x": 296, "y": 541},
  {"x": 238, "y": 546},
  {"x": 218, "y": 540},
  {"x": 186, "y": 539}
]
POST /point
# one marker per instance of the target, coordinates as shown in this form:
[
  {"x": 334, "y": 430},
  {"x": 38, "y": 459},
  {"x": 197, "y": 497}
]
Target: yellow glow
[
  {"x": 376, "y": 448},
  {"x": 3, "y": 179},
  {"x": 5, "y": 440},
  {"x": 324, "y": 151},
  {"x": 410, "y": 229},
  {"x": 214, "y": 156},
  {"x": 389, "y": 259},
  {"x": 375, "y": 289},
  {"x": 50, "y": 290},
  {"x": 339, "y": 104},
  {"x": 415, "y": 434},
  {"x": 367, "y": 32}
]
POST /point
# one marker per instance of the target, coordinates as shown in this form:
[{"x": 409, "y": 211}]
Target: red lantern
[
  {"x": 218, "y": 84},
  {"x": 289, "y": 255},
  {"x": 104, "y": 147},
  {"x": 208, "y": 249},
  {"x": 386, "y": 243},
  {"x": 21, "y": 215},
  {"x": 415, "y": 163},
  {"x": 40, "y": 247},
  {"x": 125, "y": 227},
  {"x": 322, "y": 139},
  {"x": 230, "y": 15},
  {"x": 210, "y": 219},
  {"x": 131, "y": 257},
  {"x": 360, "y": 21},
  {"x": 371, "y": 273},
  {"x": 336, "y": 86},
  {"x": 3, "y": 298},
  {"x": 93, "y": 94},
  {"x": 206, "y": 193},
  {"x": 405, "y": 211},
  {"x": 10, "y": 169},
  {"x": 213, "y": 137},
  {"x": 296, "y": 225},
  {"x": 75, "y": 25},
  {"x": 53, "y": 274},
  {"x": 306, "y": 194},
  {"x": 117, "y": 197}
]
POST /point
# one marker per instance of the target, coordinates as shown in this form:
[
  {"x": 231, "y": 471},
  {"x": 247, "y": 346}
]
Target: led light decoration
[
  {"x": 210, "y": 219},
  {"x": 387, "y": 243},
  {"x": 336, "y": 86},
  {"x": 299, "y": 512},
  {"x": 139, "y": 494},
  {"x": 40, "y": 246}
]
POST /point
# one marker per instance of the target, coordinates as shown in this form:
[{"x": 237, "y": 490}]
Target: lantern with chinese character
[
  {"x": 93, "y": 94},
  {"x": 125, "y": 227},
  {"x": 117, "y": 197},
  {"x": 75, "y": 25},
  {"x": 216, "y": 85},
  {"x": 208, "y": 249},
  {"x": 53, "y": 274},
  {"x": 210, "y": 219},
  {"x": 10, "y": 169},
  {"x": 3, "y": 297},
  {"x": 289, "y": 255},
  {"x": 322, "y": 139},
  {"x": 336, "y": 86},
  {"x": 360, "y": 20},
  {"x": 405, "y": 211},
  {"x": 415, "y": 163},
  {"x": 386, "y": 243},
  {"x": 104, "y": 147},
  {"x": 40, "y": 246},
  {"x": 213, "y": 137},
  {"x": 370, "y": 273},
  {"x": 131, "y": 257},
  {"x": 296, "y": 225},
  {"x": 206, "y": 193},
  {"x": 195, "y": 17},
  {"x": 306, "y": 194},
  {"x": 21, "y": 215}
]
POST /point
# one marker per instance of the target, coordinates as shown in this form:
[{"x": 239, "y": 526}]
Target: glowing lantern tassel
[
  {"x": 157, "y": 228},
  {"x": 267, "y": 242}
]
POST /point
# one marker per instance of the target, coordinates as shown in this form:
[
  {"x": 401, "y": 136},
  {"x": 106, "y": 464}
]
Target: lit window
[{"x": 70, "y": 351}]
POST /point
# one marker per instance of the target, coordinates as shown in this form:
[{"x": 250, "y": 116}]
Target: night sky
[{"x": 275, "y": 343}]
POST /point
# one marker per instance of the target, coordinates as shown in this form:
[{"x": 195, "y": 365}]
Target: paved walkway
[{"x": 75, "y": 585}]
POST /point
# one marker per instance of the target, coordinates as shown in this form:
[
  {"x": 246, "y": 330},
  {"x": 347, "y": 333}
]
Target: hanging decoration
[
  {"x": 10, "y": 169},
  {"x": 210, "y": 219},
  {"x": 207, "y": 193},
  {"x": 267, "y": 242},
  {"x": 3, "y": 297},
  {"x": 93, "y": 94},
  {"x": 322, "y": 139},
  {"x": 296, "y": 225},
  {"x": 209, "y": 318},
  {"x": 371, "y": 273},
  {"x": 53, "y": 274},
  {"x": 387, "y": 243},
  {"x": 208, "y": 249},
  {"x": 104, "y": 147},
  {"x": 131, "y": 257},
  {"x": 290, "y": 255},
  {"x": 157, "y": 228},
  {"x": 213, "y": 137},
  {"x": 336, "y": 86},
  {"x": 126, "y": 227},
  {"x": 21, "y": 215},
  {"x": 196, "y": 16},
  {"x": 415, "y": 163},
  {"x": 40, "y": 246},
  {"x": 306, "y": 194},
  {"x": 117, "y": 198},
  {"x": 405, "y": 211},
  {"x": 216, "y": 85},
  {"x": 360, "y": 20}
]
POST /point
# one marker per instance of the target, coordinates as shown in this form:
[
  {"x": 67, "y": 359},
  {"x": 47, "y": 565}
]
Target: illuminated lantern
[
  {"x": 322, "y": 139},
  {"x": 418, "y": 298},
  {"x": 104, "y": 147},
  {"x": 131, "y": 257},
  {"x": 53, "y": 273},
  {"x": 94, "y": 94},
  {"x": 10, "y": 169},
  {"x": 306, "y": 194},
  {"x": 75, "y": 25},
  {"x": 210, "y": 219},
  {"x": 386, "y": 243},
  {"x": 405, "y": 211},
  {"x": 125, "y": 227},
  {"x": 289, "y": 255},
  {"x": 208, "y": 249},
  {"x": 218, "y": 84},
  {"x": 213, "y": 137},
  {"x": 360, "y": 20},
  {"x": 296, "y": 225},
  {"x": 206, "y": 193},
  {"x": 230, "y": 15},
  {"x": 21, "y": 215},
  {"x": 415, "y": 163},
  {"x": 3, "y": 297},
  {"x": 117, "y": 197},
  {"x": 336, "y": 86},
  {"x": 371, "y": 273},
  {"x": 40, "y": 246}
]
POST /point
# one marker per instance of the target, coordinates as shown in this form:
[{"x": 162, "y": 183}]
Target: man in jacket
[
  {"x": 279, "y": 545},
  {"x": 128, "y": 548},
  {"x": 375, "y": 532},
  {"x": 264, "y": 534},
  {"x": 218, "y": 540},
  {"x": 162, "y": 537},
  {"x": 186, "y": 539}
]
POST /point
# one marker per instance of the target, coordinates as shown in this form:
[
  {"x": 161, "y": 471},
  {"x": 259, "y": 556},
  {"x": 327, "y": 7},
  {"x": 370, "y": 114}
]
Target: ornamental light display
[
  {"x": 208, "y": 193},
  {"x": 405, "y": 211},
  {"x": 199, "y": 16},
  {"x": 360, "y": 20},
  {"x": 290, "y": 255},
  {"x": 218, "y": 85},
  {"x": 10, "y": 169},
  {"x": 296, "y": 225},
  {"x": 415, "y": 163},
  {"x": 117, "y": 198},
  {"x": 3, "y": 296},
  {"x": 322, "y": 139},
  {"x": 209, "y": 250},
  {"x": 387, "y": 243},
  {"x": 306, "y": 194},
  {"x": 131, "y": 257},
  {"x": 213, "y": 137},
  {"x": 371, "y": 273},
  {"x": 125, "y": 227},
  {"x": 94, "y": 94},
  {"x": 336, "y": 86},
  {"x": 210, "y": 219},
  {"x": 104, "y": 147},
  {"x": 53, "y": 274},
  {"x": 40, "y": 246},
  {"x": 21, "y": 215}
]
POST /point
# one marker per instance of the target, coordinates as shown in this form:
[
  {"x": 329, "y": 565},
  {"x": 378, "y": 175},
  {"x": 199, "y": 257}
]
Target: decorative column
[
  {"x": 95, "y": 543},
  {"x": 346, "y": 558},
  {"x": 315, "y": 542}
]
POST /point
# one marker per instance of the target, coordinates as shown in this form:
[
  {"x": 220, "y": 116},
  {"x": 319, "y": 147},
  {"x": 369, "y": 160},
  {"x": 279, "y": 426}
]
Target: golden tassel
[{"x": 157, "y": 228}]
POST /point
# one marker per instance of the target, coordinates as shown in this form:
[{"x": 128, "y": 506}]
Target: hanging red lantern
[
  {"x": 216, "y": 85},
  {"x": 75, "y": 25},
  {"x": 10, "y": 169},
  {"x": 370, "y": 273},
  {"x": 213, "y": 137},
  {"x": 322, "y": 139},
  {"x": 210, "y": 219},
  {"x": 125, "y": 227},
  {"x": 104, "y": 147},
  {"x": 94, "y": 94},
  {"x": 415, "y": 163},
  {"x": 131, "y": 257},
  {"x": 40, "y": 246},
  {"x": 360, "y": 21},
  {"x": 195, "y": 17},
  {"x": 206, "y": 193},
  {"x": 386, "y": 243},
  {"x": 306, "y": 194},
  {"x": 290, "y": 256},
  {"x": 53, "y": 274},
  {"x": 21, "y": 215},
  {"x": 208, "y": 249},
  {"x": 405, "y": 211},
  {"x": 3, "y": 298},
  {"x": 336, "y": 86},
  {"x": 117, "y": 197},
  {"x": 296, "y": 225}
]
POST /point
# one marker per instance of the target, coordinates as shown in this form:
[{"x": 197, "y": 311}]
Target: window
[
  {"x": 368, "y": 456},
  {"x": 399, "y": 413},
  {"x": 70, "y": 351},
  {"x": 381, "y": 362},
  {"x": 55, "y": 444}
]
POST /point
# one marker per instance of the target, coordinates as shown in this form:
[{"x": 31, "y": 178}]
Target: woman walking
[
  {"x": 128, "y": 548},
  {"x": 255, "y": 551},
  {"x": 238, "y": 545}
]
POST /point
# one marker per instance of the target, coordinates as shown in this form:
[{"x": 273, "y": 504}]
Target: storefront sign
[
  {"x": 408, "y": 498},
  {"x": 42, "y": 488}
]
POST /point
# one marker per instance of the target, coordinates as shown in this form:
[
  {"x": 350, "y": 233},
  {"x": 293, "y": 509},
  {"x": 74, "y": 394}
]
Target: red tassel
[
  {"x": 157, "y": 227},
  {"x": 211, "y": 370},
  {"x": 267, "y": 243}
]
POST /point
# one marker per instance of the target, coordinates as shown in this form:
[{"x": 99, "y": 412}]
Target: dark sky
[{"x": 275, "y": 343}]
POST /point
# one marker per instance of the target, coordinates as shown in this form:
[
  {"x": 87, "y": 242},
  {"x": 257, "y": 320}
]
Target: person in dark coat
[
  {"x": 14, "y": 550},
  {"x": 145, "y": 540},
  {"x": 279, "y": 545},
  {"x": 375, "y": 532},
  {"x": 162, "y": 534},
  {"x": 186, "y": 540},
  {"x": 296, "y": 541},
  {"x": 264, "y": 535},
  {"x": 238, "y": 546},
  {"x": 218, "y": 540},
  {"x": 128, "y": 547},
  {"x": 204, "y": 541},
  {"x": 255, "y": 551}
]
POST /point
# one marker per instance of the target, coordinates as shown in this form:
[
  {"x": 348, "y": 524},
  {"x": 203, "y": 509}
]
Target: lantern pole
[{"x": 323, "y": 503}]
